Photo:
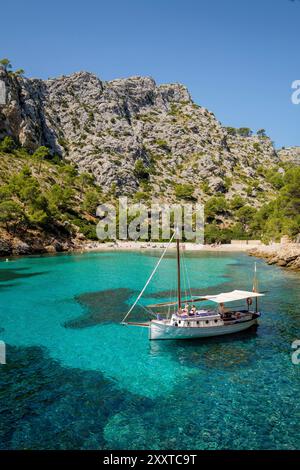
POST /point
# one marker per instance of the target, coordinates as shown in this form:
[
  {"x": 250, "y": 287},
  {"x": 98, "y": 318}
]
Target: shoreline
[
  {"x": 149, "y": 246},
  {"x": 285, "y": 256},
  {"x": 94, "y": 246}
]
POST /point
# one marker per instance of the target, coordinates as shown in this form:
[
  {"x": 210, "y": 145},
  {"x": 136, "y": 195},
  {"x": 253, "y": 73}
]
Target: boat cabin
[
  {"x": 198, "y": 320},
  {"x": 221, "y": 316}
]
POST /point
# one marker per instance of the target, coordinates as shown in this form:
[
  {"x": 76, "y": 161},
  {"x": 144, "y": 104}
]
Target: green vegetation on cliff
[
  {"x": 42, "y": 193},
  {"x": 270, "y": 222}
]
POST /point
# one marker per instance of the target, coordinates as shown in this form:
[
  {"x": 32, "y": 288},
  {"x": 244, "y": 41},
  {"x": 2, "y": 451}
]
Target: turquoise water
[{"x": 76, "y": 378}]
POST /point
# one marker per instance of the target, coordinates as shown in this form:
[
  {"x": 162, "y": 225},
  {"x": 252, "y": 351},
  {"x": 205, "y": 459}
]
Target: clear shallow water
[{"x": 75, "y": 378}]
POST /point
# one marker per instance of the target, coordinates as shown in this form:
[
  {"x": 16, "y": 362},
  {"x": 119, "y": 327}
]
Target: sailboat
[{"x": 195, "y": 322}]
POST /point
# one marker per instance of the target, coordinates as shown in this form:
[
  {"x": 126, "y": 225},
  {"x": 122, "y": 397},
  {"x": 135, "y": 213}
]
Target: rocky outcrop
[
  {"x": 287, "y": 256},
  {"x": 35, "y": 242},
  {"x": 105, "y": 127},
  {"x": 290, "y": 155}
]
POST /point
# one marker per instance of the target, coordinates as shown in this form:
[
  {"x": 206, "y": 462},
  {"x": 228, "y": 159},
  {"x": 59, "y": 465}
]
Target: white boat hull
[{"x": 161, "y": 330}]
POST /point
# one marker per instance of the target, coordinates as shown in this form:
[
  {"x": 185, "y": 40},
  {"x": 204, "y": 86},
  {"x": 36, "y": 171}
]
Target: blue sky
[{"x": 237, "y": 57}]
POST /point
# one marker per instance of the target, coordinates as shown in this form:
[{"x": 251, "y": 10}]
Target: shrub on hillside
[
  {"x": 140, "y": 171},
  {"x": 8, "y": 145},
  {"x": 184, "y": 191}
]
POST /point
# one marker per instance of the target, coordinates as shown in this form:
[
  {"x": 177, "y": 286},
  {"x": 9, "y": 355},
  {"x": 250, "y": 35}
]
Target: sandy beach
[{"x": 190, "y": 247}]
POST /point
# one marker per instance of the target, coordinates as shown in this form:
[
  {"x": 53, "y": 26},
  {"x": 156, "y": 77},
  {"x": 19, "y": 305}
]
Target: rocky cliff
[
  {"x": 290, "y": 155},
  {"x": 106, "y": 127}
]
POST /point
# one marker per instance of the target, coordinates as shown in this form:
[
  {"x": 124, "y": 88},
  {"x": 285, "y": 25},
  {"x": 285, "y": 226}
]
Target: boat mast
[
  {"x": 255, "y": 287},
  {"x": 178, "y": 274}
]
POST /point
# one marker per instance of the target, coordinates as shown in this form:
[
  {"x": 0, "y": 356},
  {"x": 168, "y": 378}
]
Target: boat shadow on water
[{"x": 220, "y": 352}]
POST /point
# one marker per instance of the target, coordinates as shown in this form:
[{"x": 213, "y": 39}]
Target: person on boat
[
  {"x": 193, "y": 310},
  {"x": 182, "y": 312},
  {"x": 185, "y": 311},
  {"x": 223, "y": 311}
]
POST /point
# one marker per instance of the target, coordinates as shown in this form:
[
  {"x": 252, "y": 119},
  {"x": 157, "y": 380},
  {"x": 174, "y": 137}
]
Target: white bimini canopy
[{"x": 232, "y": 296}]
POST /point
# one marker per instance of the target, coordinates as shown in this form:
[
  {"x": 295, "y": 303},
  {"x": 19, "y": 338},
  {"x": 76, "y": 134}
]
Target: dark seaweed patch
[
  {"x": 104, "y": 306},
  {"x": 12, "y": 274},
  {"x": 46, "y": 406}
]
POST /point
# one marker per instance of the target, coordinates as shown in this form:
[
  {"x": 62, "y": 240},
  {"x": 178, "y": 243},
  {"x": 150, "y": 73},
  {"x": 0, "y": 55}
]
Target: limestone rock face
[
  {"x": 105, "y": 127},
  {"x": 287, "y": 255},
  {"x": 290, "y": 155}
]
